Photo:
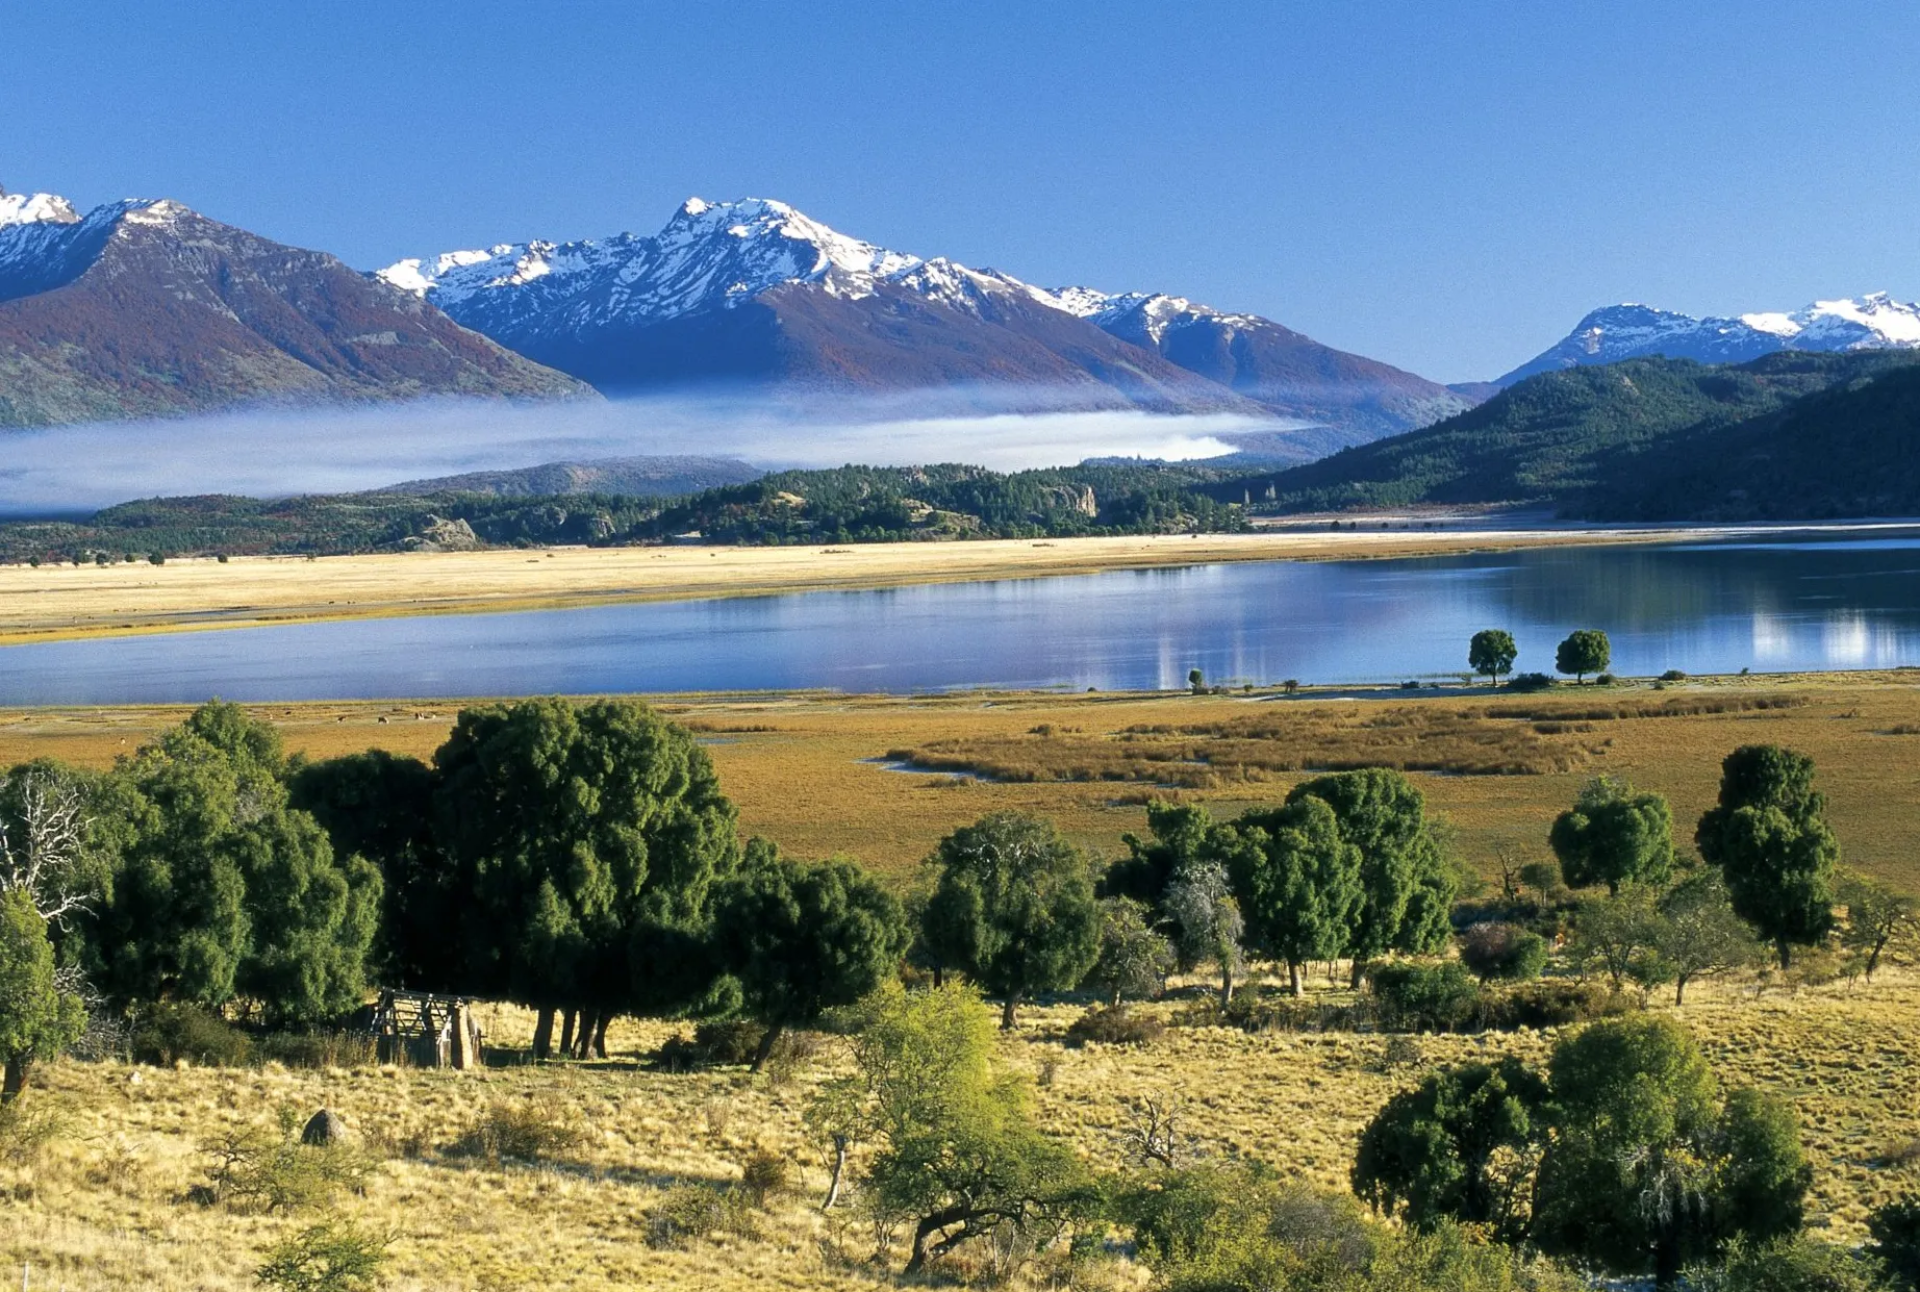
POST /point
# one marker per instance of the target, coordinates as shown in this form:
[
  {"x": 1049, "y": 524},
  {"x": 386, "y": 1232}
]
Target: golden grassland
[
  {"x": 812, "y": 772},
  {"x": 104, "y": 1206},
  {"x": 54, "y": 602}
]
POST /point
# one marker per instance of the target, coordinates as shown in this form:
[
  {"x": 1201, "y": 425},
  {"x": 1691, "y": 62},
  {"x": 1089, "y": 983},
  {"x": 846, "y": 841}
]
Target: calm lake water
[{"x": 1704, "y": 608}]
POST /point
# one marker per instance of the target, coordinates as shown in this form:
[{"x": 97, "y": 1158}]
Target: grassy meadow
[{"x": 817, "y": 773}]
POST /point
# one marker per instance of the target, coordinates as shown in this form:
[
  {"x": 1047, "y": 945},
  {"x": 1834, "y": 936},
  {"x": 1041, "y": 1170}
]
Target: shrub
[
  {"x": 253, "y": 1168},
  {"x": 336, "y": 1256},
  {"x": 1790, "y": 1265},
  {"x": 1605, "y": 679},
  {"x": 1115, "y": 1025},
  {"x": 1673, "y": 675},
  {"x": 167, "y": 1034},
  {"x": 686, "y": 1213},
  {"x": 1504, "y": 951},
  {"x": 729, "y": 1043},
  {"x": 1416, "y": 997},
  {"x": 1529, "y": 682},
  {"x": 763, "y": 1175},
  {"x": 26, "y": 1127},
  {"x": 525, "y": 1131},
  {"x": 1553, "y": 1004}
]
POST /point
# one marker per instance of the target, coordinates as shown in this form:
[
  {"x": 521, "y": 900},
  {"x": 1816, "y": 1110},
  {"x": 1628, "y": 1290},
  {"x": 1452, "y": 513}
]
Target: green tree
[
  {"x": 584, "y": 838},
  {"x": 1877, "y": 917},
  {"x": 37, "y": 1018},
  {"x": 1013, "y": 908},
  {"x": 1135, "y": 958},
  {"x": 1647, "y": 1167},
  {"x": 956, "y": 1153},
  {"x": 1768, "y": 835},
  {"x": 379, "y": 805},
  {"x": 1492, "y": 652},
  {"x": 1203, "y": 908},
  {"x": 1613, "y": 836},
  {"x": 1699, "y": 933},
  {"x": 1196, "y": 681},
  {"x": 1586, "y": 650},
  {"x": 1457, "y": 1147},
  {"x": 1895, "y": 1229},
  {"x": 803, "y": 939},
  {"x": 1180, "y": 836},
  {"x": 1407, "y": 886},
  {"x": 1621, "y": 934},
  {"x": 222, "y": 888},
  {"x": 1299, "y": 881}
]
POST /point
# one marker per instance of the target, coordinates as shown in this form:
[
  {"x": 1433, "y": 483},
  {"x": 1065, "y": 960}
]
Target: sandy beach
[{"x": 63, "y": 602}]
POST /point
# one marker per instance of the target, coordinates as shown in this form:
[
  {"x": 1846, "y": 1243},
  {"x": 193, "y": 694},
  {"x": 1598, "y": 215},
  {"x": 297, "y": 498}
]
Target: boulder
[{"x": 324, "y": 1130}]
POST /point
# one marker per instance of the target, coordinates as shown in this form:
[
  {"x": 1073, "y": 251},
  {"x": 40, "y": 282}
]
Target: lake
[{"x": 1701, "y": 607}]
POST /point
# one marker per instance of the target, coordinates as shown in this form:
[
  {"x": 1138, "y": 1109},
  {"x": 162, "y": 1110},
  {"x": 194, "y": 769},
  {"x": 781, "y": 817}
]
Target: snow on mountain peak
[{"x": 35, "y": 208}]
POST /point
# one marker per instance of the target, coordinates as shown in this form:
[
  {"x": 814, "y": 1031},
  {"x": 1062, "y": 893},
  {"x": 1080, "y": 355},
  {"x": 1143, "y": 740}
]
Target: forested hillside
[
  {"x": 1647, "y": 439},
  {"x": 842, "y": 505}
]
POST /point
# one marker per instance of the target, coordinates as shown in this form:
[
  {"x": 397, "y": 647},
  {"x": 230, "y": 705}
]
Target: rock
[{"x": 324, "y": 1130}]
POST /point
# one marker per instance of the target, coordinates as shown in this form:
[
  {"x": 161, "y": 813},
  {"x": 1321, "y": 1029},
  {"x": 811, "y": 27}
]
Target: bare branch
[{"x": 44, "y": 860}]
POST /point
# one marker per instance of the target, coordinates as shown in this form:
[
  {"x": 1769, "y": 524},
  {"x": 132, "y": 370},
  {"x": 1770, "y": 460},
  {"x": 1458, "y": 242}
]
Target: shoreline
[{"x": 67, "y": 603}]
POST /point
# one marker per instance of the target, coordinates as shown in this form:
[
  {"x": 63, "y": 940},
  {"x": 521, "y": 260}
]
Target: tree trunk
[
  {"x": 543, "y": 1034},
  {"x": 1115, "y": 1002},
  {"x": 566, "y": 1031},
  {"x": 927, "y": 1228},
  {"x": 768, "y": 1039},
  {"x": 1006, "y": 1010},
  {"x": 1295, "y": 980},
  {"x": 600, "y": 1034},
  {"x": 839, "y": 1172},
  {"x": 15, "y": 1081},
  {"x": 1666, "y": 1263},
  {"x": 1786, "y": 955},
  {"x": 583, "y": 1041},
  {"x": 1226, "y": 985},
  {"x": 1358, "y": 977},
  {"x": 1680, "y": 991}
]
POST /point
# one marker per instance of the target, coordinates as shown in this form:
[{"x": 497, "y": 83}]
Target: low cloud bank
[{"x": 276, "y": 453}]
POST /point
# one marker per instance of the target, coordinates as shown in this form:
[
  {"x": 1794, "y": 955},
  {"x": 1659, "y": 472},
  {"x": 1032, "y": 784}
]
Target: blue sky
[{"x": 1448, "y": 187}]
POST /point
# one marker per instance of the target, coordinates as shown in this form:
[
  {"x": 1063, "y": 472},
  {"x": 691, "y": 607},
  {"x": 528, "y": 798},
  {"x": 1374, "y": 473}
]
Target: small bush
[
  {"x": 168, "y": 1034},
  {"x": 1115, "y": 1025},
  {"x": 1495, "y": 950},
  {"x": 254, "y": 1169},
  {"x": 1673, "y": 675},
  {"x": 27, "y": 1126},
  {"x": 1553, "y": 1004},
  {"x": 1415, "y": 997},
  {"x": 686, "y": 1213},
  {"x": 1400, "y": 1052},
  {"x": 336, "y": 1256},
  {"x": 764, "y": 1175},
  {"x": 1529, "y": 682},
  {"x": 729, "y": 1043},
  {"x": 1799, "y": 1264},
  {"x": 524, "y": 1130},
  {"x": 1605, "y": 679},
  {"x": 1895, "y": 1227}
]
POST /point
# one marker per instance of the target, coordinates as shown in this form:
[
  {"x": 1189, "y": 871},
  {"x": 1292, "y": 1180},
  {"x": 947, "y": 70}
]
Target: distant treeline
[{"x": 842, "y": 505}]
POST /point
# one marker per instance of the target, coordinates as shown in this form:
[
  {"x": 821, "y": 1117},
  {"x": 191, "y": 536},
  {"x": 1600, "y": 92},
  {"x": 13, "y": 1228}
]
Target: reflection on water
[{"x": 1702, "y": 608}]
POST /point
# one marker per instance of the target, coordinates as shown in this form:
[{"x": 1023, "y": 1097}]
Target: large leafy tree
[
  {"x": 1135, "y": 958},
  {"x": 1299, "y": 880},
  {"x": 1013, "y": 908},
  {"x": 37, "y": 1018},
  {"x": 1492, "y": 652},
  {"x": 1179, "y": 837},
  {"x": 1613, "y": 836},
  {"x": 1586, "y": 650},
  {"x": 1407, "y": 886},
  {"x": 1698, "y": 933},
  {"x": 222, "y": 888},
  {"x": 1457, "y": 1147},
  {"x": 579, "y": 835},
  {"x": 1648, "y": 1167},
  {"x": 1769, "y": 836},
  {"x": 804, "y": 938},
  {"x": 379, "y": 805}
]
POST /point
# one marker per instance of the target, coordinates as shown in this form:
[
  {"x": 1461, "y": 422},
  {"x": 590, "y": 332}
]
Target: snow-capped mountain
[
  {"x": 145, "y": 307},
  {"x": 1876, "y": 322},
  {"x": 756, "y": 293}
]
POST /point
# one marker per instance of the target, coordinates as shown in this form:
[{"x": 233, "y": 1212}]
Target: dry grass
[
  {"x": 60, "y": 601},
  {"x": 103, "y": 1206},
  {"x": 808, "y": 770}
]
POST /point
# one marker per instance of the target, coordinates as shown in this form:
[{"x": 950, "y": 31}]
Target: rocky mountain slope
[
  {"x": 143, "y": 308},
  {"x": 755, "y": 294}
]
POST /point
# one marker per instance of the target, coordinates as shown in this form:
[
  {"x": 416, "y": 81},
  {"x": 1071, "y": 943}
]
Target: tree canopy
[
  {"x": 1492, "y": 652},
  {"x": 1586, "y": 650},
  {"x": 1301, "y": 880},
  {"x": 1613, "y": 836},
  {"x": 37, "y": 1018},
  {"x": 1769, "y": 836},
  {"x": 1013, "y": 908}
]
